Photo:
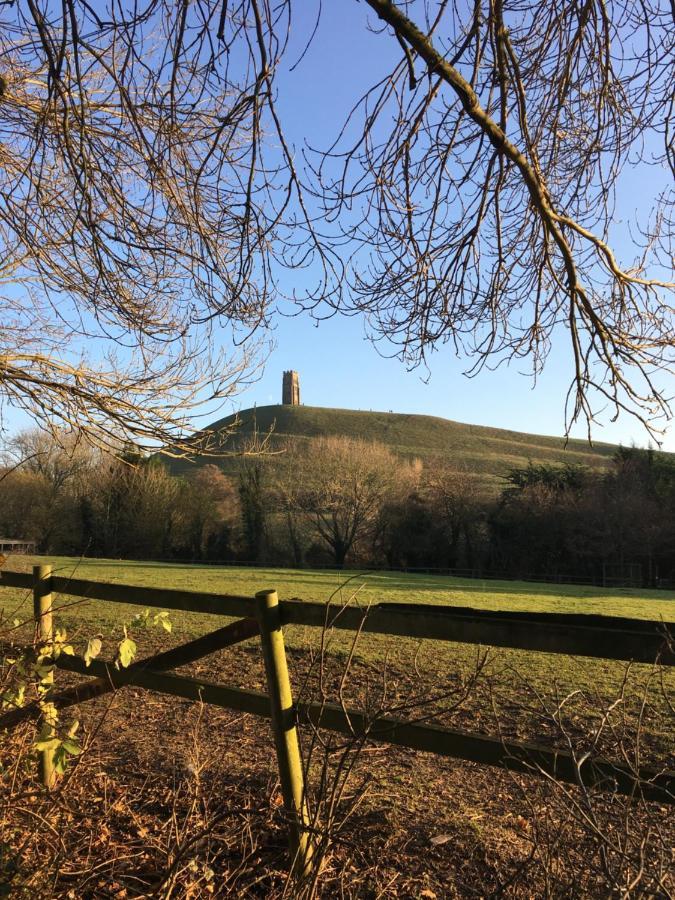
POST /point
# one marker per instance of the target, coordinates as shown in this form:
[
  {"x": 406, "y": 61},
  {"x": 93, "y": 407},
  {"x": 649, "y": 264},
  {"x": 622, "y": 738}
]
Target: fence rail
[
  {"x": 595, "y": 636},
  {"x": 602, "y": 637}
]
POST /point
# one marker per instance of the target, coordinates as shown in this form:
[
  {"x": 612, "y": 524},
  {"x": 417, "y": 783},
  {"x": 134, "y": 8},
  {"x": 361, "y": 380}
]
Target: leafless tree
[
  {"x": 146, "y": 178},
  {"x": 59, "y": 460},
  {"x": 457, "y": 498},
  {"x": 486, "y": 209},
  {"x": 130, "y": 215},
  {"x": 342, "y": 485},
  {"x": 208, "y": 505}
]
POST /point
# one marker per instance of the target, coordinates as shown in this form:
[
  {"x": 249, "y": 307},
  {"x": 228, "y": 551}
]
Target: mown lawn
[
  {"x": 376, "y": 587},
  {"x": 515, "y": 676}
]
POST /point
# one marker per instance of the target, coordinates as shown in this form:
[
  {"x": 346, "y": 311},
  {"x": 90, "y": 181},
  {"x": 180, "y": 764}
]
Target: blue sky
[{"x": 338, "y": 366}]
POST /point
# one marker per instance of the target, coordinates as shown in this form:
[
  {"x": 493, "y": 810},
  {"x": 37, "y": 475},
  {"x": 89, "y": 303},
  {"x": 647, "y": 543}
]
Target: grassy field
[
  {"x": 427, "y": 826},
  {"x": 489, "y": 453},
  {"x": 433, "y": 661},
  {"x": 373, "y": 587},
  {"x": 342, "y": 587}
]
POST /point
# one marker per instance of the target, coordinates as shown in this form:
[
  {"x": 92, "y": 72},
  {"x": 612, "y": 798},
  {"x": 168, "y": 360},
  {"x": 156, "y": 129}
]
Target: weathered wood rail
[
  {"x": 579, "y": 635},
  {"x": 602, "y": 637}
]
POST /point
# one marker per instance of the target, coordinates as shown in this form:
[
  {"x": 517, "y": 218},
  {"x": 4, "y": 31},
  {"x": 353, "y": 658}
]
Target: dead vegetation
[{"x": 178, "y": 800}]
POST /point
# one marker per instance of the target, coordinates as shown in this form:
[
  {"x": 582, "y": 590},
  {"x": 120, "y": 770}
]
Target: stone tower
[{"x": 290, "y": 394}]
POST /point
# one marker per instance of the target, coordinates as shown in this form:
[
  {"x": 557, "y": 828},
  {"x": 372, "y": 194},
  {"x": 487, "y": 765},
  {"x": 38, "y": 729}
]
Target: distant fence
[
  {"x": 580, "y": 635},
  {"x": 629, "y": 575}
]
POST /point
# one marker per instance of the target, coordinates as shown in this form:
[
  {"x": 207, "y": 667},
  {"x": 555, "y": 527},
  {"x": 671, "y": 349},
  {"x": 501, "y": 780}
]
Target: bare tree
[
  {"x": 287, "y": 495},
  {"x": 146, "y": 177},
  {"x": 209, "y": 508},
  {"x": 457, "y": 501},
  {"x": 129, "y": 216},
  {"x": 43, "y": 473},
  {"x": 342, "y": 486},
  {"x": 487, "y": 208},
  {"x": 59, "y": 459}
]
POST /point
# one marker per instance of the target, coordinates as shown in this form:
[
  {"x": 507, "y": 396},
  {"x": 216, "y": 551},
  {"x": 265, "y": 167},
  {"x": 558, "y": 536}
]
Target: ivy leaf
[
  {"x": 59, "y": 749},
  {"x": 60, "y": 759},
  {"x": 71, "y": 747},
  {"x": 60, "y": 645},
  {"x": 65, "y": 749},
  {"x": 72, "y": 730},
  {"x": 126, "y": 650},
  {"x": 94, "y": 647},
  {"x": 15, "y": 697},
  {"x": 43, "y": 666}
]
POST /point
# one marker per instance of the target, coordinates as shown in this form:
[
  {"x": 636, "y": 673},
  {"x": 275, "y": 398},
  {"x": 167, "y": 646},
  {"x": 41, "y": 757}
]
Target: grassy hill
[{"x": 487, "y": 452}]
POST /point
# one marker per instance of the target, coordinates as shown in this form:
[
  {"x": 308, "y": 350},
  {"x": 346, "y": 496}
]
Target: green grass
[
  {"x": 487, "y": 452},
  {"x": 435, "y": 661},
  {"x": 369, "y": 587}
]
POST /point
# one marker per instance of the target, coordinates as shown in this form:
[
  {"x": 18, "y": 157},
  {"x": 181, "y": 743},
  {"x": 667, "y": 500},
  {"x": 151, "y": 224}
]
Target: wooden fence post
[
  {"x": 284, "y": 728},
  {"x": 44, "y": 632}
]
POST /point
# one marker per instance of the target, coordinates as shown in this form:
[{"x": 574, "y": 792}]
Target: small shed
[{"x": 9, "y": 545}]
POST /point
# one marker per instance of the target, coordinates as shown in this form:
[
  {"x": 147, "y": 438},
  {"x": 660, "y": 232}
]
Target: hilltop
[{"x": 489, "y": 453}]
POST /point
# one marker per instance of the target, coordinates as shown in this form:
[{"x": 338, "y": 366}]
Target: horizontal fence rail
[
  {"x": 166, "y": 598},
  {"x": 516, "y": 757},
  {"x": 596, "y": 636},
  {"x": 581, "y": 635},
  {"x": 573, "y": 635}
]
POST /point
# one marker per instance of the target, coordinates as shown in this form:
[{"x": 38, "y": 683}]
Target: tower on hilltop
[{"x": 290, "y": 392}]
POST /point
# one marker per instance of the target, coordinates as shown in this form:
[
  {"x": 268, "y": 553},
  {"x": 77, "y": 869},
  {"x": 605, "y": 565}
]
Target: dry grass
[{"x": 177, "y": 800}]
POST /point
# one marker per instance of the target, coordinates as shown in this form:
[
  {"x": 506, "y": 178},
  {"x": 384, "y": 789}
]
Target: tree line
[{"x": 337, "y": 501}]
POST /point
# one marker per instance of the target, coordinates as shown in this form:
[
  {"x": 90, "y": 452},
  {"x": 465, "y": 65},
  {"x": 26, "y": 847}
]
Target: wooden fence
[{"x": 580, "y": 635}]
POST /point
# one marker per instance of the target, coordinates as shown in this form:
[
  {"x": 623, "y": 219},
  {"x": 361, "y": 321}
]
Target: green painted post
[
  {"x": 44, "y": 633},
  {"x": 284, "y": 728}
]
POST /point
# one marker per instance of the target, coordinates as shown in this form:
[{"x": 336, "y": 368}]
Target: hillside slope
[{"x": 487, "y": 452}]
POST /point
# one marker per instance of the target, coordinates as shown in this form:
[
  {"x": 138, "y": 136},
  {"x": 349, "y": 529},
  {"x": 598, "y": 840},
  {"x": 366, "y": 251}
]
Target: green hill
[{"x": 489, "y": 453}]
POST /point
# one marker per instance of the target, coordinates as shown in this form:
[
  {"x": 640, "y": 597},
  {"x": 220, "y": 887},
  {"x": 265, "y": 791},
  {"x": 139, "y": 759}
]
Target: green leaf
[
  {"x": 162, "y": 618},
  {"x": 71, "y": 747},
  {"x": 43, "y": 666},
  {"x": 140, "y": 620},
  {"x": 59, "y": 749},
  {"x": 60, "y": 759},
  {"x": 60, "y": 646},
  {"x": 94, "y": 647},
  {"x": 72, "y": 731},
  {"x": 14, "y": 697},
  {"x": 126, "y": 650}
]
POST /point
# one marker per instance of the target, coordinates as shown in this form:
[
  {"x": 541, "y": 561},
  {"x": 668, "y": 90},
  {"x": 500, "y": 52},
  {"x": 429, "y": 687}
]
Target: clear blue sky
[{"x": 338, "y": 366}]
